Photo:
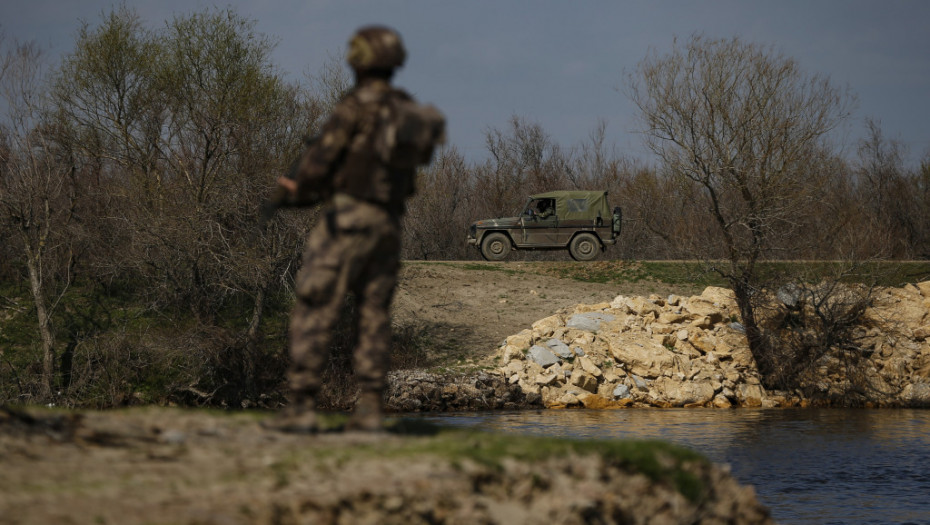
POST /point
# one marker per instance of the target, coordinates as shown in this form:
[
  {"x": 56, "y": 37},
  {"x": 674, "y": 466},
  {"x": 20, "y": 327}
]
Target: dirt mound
[{"x": 173, "y": 466}]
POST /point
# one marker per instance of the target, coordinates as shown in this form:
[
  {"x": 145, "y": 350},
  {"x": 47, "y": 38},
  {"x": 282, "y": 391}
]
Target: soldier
[
  {"x": 544, "y": 208},
  {"x": 363, "y": 165}
]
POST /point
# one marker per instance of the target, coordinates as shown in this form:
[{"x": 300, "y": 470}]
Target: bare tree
[
  {"x": 742, "y": 125},
  {"x": 36, "y": 192},
  {"x": 439, "y": 213},
  {"x": 190, "y": 125},
  {"x": 330, "y": 83},
  {"x": 889, "y": 194},
  {"x": 815, "y": 322},
  {"x": 524, "y": 160},
  {"x": 187, "y": 128},
  {"x": 921, "y": 187}
]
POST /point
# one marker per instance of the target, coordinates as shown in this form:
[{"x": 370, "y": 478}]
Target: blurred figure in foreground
[{"x": 363, "y": 167}]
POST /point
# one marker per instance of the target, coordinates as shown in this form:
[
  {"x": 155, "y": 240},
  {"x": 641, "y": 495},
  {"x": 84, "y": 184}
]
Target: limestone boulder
[
  {"x": 641, "y": 354},
  {"x": 702, "y": 341},
  {"x": 750, "y": 395},
  {"x": 684, "y": 393},
  {"x": 599, "y": 402},
  {"x": 559, "y": 348},
  {"x": 589, "y": 367},
  {"x": 521, "y": 340},
  {"x": 585, "y": 308},
  {"x": 621, "y": 392},
  {"x": 542, "y": 356},
  {"x": 918, "y": 394},
  {"x": 921, "y": 333},
  {"x": 588, "y": 321},
  {"x": 921, "y": 367},
  {"x": 583, "y": 380},
  {"x": 642, "y": 307},
  {"x": 673, "y": 318},
  {"x": 547, "y": 378},
  {"x": 703, "y": 311},
  {"x": 546, "y": 327},
  {"x": 512, "y": 353},
  {"x": 911, "y": 314},
  {"x": 924, "y": 288},
  {"x": 721, "y": 296}
]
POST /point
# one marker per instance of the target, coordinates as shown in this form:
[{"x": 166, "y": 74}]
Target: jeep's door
[{"x": 540, "y": 224}]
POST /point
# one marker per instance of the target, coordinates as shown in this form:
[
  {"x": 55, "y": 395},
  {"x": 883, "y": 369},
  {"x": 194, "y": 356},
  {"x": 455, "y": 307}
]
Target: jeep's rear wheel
[
  {"x": 584, "y": 247},
  {"x": 495, "y": 246}
]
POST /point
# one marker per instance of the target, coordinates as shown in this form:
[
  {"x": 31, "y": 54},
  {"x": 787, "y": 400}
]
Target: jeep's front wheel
[
  {"x": 584, "y": 247},
  {"x": 495, "y": 246}
]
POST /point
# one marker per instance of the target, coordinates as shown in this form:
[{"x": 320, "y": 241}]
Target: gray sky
[{"x": 562, "y": 64}]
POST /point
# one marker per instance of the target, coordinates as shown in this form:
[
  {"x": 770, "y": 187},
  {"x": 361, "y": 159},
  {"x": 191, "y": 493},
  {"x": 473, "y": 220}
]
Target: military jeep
[{"x": 580, "y": 221}]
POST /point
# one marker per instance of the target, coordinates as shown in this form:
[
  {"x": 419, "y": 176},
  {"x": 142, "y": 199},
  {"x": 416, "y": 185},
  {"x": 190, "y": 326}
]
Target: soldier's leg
[
  {"x": 310, "y": 335},
  {"x": 321, "y": 289},
  {"x": 372, "y": 355}
]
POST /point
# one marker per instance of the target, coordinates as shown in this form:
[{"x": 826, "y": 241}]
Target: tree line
[{"x": 131, "y": 175}]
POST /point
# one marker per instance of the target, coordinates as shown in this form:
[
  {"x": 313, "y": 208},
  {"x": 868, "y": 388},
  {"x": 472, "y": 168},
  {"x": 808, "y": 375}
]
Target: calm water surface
[{"x": 823, "y": 466}]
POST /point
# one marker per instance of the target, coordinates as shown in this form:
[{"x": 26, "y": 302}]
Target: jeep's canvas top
[{"x": 573, "y": 205}]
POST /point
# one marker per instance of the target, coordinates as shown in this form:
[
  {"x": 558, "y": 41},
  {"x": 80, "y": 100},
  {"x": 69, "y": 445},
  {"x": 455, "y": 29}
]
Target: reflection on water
[{"x": 808, "y": 465}]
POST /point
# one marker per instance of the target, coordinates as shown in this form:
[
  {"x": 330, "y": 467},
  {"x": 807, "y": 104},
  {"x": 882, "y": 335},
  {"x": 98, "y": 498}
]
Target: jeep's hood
[{"x": 502, "y": 222}]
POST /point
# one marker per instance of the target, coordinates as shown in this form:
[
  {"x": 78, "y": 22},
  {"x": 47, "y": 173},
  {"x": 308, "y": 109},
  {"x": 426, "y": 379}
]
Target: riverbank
[
  {"x": 647, "y": 346},
  {"x": 808, "y": 466},
  {"x": 156, "y": 465}
]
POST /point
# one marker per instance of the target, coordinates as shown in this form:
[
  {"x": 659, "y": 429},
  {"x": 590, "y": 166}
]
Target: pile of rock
[
  {"x": 692, "y": 352},
  {"x": 896, "y": 329},
  {"x": 422, "y": 391}
]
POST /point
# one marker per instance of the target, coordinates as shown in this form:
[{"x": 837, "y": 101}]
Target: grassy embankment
[
  {"x": 198, "y": 435},
  {"x": 660, "y": 461},
  {"x": 698, "y": 274}
]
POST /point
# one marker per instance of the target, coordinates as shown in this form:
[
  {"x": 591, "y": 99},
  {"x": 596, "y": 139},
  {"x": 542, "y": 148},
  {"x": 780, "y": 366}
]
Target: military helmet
[{"x": 376, "y": 47}]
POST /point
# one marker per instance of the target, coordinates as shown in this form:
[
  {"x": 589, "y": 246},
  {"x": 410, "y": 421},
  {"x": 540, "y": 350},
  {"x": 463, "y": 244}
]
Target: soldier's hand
[{"x": 288, "y": 184}]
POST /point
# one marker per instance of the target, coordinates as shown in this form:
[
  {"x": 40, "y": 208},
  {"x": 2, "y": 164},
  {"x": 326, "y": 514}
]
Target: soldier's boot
[
  {"x": 368, "y": 415},
  {"x": 297, "y": 418}
]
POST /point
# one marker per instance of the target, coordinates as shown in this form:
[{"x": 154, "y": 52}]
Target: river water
[{"x": 809, "y": 466}]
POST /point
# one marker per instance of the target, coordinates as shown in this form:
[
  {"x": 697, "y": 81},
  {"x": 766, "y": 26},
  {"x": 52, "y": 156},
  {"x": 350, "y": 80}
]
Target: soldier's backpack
[{"x": 411, "y": 133}]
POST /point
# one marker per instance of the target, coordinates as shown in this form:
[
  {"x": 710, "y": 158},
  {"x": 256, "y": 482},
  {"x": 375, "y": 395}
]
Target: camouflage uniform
[
  {"x": 356, "y": 245},
  {"x": 545, "y": 209}
]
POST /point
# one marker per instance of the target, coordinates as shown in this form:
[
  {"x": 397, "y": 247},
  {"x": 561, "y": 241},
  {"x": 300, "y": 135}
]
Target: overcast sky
[{"x": 563, "y": 64}]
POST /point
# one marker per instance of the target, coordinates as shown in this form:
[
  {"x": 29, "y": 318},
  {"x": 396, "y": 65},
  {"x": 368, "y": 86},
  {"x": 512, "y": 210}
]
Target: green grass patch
[
  {"x": 507, "y": 268},
  {"x": 882, "y": 273},
  {"x": 660, "y": 461},
  {"x": 619, "y": 272}
]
